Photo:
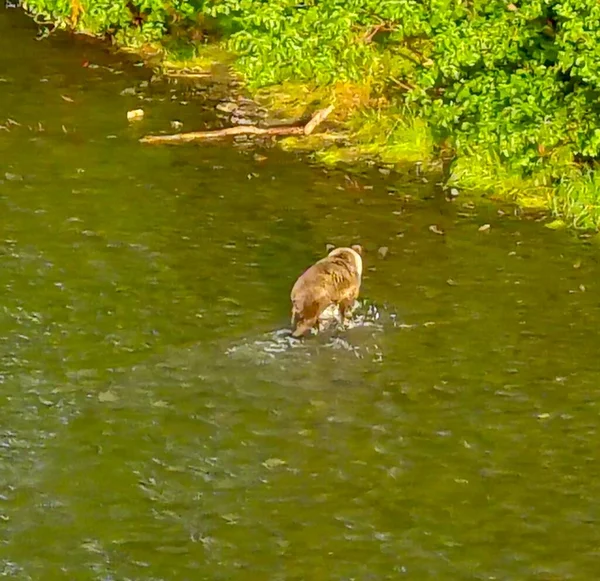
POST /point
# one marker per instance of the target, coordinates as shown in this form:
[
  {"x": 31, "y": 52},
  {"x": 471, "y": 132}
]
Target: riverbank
[{"x": 500, "y": 91}]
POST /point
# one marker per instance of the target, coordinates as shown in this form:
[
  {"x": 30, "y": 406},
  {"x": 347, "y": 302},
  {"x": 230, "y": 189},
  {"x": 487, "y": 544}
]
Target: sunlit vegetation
[{"x": 510, "y": 89}]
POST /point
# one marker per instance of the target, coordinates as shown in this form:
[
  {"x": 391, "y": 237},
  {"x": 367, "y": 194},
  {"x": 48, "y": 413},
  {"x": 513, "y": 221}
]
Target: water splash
[{"x": 366, "y": 316}]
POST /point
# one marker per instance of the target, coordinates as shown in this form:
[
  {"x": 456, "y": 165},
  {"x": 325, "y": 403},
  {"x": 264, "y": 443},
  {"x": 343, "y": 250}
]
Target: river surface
[{"x": 156, "y": 424}]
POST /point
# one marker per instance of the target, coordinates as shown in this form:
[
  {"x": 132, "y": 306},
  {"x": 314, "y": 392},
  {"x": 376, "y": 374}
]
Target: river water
[{"x": 157, "y": 425}]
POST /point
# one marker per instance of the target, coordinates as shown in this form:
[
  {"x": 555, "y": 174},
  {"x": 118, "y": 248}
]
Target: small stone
[
  {"x": 484, "y": 228},
  {"x": 227, "y": 107},
  {"x": 454, "y": 193},
  {"x": 382, "y": 252},
  {"x": 135, "y": 115},
  {"x": 107, "y": 396},
  {"x": 177, "y": 125},
  {"x": 273, "y": 463},
  {"x": 436, "y": 229},
  {"x": 241, "y": 120}
]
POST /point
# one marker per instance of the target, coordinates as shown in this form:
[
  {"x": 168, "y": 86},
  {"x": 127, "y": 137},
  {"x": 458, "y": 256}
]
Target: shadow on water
[{"x": 156, "y": 422}]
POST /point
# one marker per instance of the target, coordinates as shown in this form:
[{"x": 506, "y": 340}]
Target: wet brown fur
[{"x": 335, "y": 280}]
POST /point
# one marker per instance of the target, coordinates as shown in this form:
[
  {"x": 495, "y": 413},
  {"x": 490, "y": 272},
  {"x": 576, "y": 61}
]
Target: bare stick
[
  {"x": 317, "y": 119},
  {"x": 307, "y": 129},
  {"x": 187, "y": 74}
]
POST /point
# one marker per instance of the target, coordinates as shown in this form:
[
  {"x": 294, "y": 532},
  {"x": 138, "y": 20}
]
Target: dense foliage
[{"x": 520, "y": 80}]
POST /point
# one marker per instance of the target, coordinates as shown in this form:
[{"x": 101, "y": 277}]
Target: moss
[
  {"x": 193, "y": 57},
  {"x": 485, "y": 174},
  {"x": 361, "y": 127}
]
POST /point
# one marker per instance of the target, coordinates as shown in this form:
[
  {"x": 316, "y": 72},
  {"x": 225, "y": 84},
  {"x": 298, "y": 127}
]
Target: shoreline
[{"x": 369, "y": 130}]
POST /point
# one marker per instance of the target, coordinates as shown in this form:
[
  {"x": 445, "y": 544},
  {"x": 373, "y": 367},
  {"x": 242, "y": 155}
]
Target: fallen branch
[
  {"x": 317, "y": 119},
  {"x": 187, "y": 74},
  {"x": 307, "y": 129}
]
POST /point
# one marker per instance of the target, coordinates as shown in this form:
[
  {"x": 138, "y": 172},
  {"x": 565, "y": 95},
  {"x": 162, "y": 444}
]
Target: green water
[{"x": 151, "y": 427}]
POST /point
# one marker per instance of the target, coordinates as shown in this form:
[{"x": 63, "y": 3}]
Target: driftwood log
[{"x": 307, "y": 129}]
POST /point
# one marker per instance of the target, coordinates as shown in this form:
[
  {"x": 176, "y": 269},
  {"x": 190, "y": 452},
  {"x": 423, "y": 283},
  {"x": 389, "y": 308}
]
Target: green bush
[{"x": 519, "y": 81}]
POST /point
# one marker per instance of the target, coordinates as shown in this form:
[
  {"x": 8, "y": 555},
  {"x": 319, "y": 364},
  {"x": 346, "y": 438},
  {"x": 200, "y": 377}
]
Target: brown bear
[{"x": 333, "y": 280}]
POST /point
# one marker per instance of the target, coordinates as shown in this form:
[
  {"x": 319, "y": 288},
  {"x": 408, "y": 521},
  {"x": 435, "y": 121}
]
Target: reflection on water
[{"x": 158, "y": 422}]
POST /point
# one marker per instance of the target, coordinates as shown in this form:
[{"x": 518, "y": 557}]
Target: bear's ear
[{"x": 357, "y": 248}]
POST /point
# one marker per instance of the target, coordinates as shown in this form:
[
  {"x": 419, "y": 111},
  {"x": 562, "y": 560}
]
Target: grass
[
  {"x": 182, "y": 55},
  {"x": 485, "y": 173},
  {"x": 576, "y": 198},
  {"x": 393, "y": 135},
  {"x": 362, "y": 125},
  {"x": 568, "y": 192}
]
